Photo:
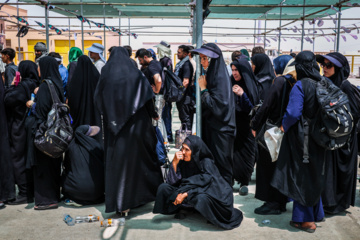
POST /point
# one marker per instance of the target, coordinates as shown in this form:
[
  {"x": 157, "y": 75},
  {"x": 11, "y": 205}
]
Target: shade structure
[{"x": 220, "y": 9}]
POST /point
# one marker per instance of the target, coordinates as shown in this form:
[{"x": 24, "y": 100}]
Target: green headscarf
[
  {"x": 246, "y": 53},
  {"x": 74, "y": 54}
]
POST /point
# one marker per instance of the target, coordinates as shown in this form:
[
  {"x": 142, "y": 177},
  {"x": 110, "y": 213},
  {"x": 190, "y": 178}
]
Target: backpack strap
[{"x": 54, "y": 95}]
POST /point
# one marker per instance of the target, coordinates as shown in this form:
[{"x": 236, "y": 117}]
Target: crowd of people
[{"x": 119, "y": 116}]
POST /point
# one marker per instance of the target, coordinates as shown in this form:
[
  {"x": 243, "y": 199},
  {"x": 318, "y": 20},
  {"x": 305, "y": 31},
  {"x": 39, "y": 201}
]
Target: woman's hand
[
  {"x": 282, "y": 129},
  {"x": 178, "y": 156},
  {"x": 202, "y": 82},
  {"x": 238, "y": 90},
  {"x": 36, "y": 90},
  {"x": 180, "y": 198},
  {"x": 29, "y": 103}
]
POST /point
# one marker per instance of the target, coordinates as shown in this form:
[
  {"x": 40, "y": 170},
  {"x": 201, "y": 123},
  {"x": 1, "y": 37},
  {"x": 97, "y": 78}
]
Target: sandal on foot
[
  {"x": 298, "y": 226},
  {"x": 46, "y": 207}
]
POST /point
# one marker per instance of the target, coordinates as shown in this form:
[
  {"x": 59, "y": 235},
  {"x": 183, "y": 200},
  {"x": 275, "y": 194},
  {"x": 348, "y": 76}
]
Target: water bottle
[
  {"x": 88, "y": 218},
  {"x": 112, "y": 222},
  {"x": 69, "y": 220}
]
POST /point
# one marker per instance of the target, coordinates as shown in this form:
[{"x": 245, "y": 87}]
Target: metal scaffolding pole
[
  {"x": 69, "y": 35},
  {"x": 104, "y": 33},
  {"x": 265, "y": 34},
  {"x": 338, "y": 31},
  {"x": 194, "y": 28},
  {"x": 199, "y": 32},
  {"x": 254, "y": 32},
  {"x": 47, "y": 27},
  {"x": 129, "y": 31},
  {"x": 82, "y": 27},
  {"x": 313, "y": 37},
  {"x": 280, "y": 27},
  {"x": 17, "y": 9},
  {"x": 303, "y": 26},
  {"x": 119, "y": 28}
]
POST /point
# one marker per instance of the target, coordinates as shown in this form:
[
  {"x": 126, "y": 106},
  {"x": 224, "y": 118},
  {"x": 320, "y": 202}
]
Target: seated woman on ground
[{"x": 195, "y": 182}]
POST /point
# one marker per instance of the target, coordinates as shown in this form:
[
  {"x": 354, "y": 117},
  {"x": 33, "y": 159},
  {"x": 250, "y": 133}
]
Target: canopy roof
[{"x": 220, "y": 9}]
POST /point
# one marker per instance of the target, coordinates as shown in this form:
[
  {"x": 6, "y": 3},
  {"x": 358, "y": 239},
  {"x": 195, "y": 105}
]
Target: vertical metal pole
[
  {"x": 17, "y": 9},
  {"x": 314, "y": 38},
  {"x": 82, "y": 27},
  {"x": 69, "y": 35},
  {"x": 104, "y": 33},
  {"x": 119, "y": 28},
  {"x": 254, "y": 32},
  {"x": 265, "y": 33},
  {"x": 199, "y": 33},
  {"x": 302, "y": 31},
  {"x": 47, "y": 27},
  {"x": 338, "y": 30},
  {"x": 279, "y": 43},
  {"x": 129, "y": 32},
  {"x": 194, "y": 27}
]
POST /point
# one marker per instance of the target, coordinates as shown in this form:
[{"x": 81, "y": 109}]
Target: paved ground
[{"x": 22, "y": 222}]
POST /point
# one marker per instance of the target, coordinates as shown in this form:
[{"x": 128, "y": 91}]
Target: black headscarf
[
  {"x": 28, "y": 70},
  {"x": 49, "y": 69},
  {"x": 248, "y": 80},
  {"x": 219, "y": 86},
  {"x": 306, "y": 66},
  {"x": 341, "y": 73},
  {"x": 81, "y": 93},
  {"x": 199, "y": 151},
  {"x": 121, "y": 82},
  {"x": 29, "y": 78},
  {"x": 263, "y": 66}
]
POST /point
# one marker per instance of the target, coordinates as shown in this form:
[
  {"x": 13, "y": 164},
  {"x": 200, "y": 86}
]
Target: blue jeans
[{"x": 166, "y": 116}]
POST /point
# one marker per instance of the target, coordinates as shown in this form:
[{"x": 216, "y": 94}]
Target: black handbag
[{"x": 55, "y": 134}]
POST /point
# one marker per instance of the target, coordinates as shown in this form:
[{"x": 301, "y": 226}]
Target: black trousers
[{"x": 186, "y": 112}]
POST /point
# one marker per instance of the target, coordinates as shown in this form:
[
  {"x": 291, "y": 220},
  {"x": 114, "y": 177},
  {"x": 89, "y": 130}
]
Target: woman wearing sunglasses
[{"x": 339, "y": 192}]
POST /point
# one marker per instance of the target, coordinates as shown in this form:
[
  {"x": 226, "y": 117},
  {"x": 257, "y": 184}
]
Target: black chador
[{"x": 132, "y": 171}]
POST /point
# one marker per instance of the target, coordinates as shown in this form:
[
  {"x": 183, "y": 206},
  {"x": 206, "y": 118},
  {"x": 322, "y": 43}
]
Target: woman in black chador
[
  {"x": 299, "y": 171},
  {"x": 272, "y": 110},
  {"x": 132, "y": 171},
  {"x": 15, "y": 101},
  {"x": 264, "y": 72},
  {"x": 246, "y": 96},
  {"x": 218, "y": 110},
  {"x": 195, "y": 182},
  {"x": 81, "y": 95},
  {"x": 7, "y": 188},
  {"x": 46, "y": 169},
  {"x": 340, "y": 188}
]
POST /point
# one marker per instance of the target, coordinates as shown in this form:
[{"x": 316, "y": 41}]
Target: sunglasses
[{"x": 327, "y": 65}]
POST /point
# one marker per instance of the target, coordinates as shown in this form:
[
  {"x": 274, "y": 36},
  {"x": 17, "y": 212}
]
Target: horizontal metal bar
[{"x": 177, "y": 5}]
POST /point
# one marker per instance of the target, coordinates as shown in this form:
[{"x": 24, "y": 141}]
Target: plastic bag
[{"x": 273, "y": 138}]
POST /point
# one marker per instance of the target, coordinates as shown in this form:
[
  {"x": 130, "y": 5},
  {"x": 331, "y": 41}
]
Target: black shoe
[
  {"x": 2, "y": 205},
  {"x": 266, "y": 209},
  {"x": 19, "y": 200}
]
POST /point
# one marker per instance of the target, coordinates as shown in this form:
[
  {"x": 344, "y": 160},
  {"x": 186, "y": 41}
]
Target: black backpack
[
  {"x": 55, "y": 134},
  {"x": 334, "y": 121},
  {"x": 173, "y": 87}
]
